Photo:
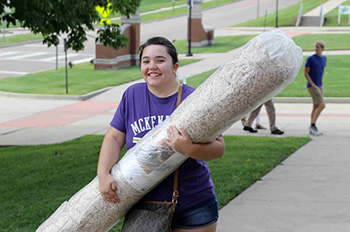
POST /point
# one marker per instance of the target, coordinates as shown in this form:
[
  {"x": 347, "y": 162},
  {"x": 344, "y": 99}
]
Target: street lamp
[
  {"x": 276, "y": 13},
  {"x": 189, "y": 5}
]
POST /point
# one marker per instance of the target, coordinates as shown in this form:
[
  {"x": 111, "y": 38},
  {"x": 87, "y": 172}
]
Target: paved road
[
  {"x": 36, "y": 57},
  {"x": 31, "y": 58}
]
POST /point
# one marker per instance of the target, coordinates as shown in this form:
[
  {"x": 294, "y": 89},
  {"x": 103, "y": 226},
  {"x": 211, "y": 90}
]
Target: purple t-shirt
[
  {"x": 316, "y": 64},
  {"x": 138, "y": 112}
]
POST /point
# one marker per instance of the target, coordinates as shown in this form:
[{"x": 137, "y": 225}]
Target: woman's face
[{"x": 157, "y": 66}]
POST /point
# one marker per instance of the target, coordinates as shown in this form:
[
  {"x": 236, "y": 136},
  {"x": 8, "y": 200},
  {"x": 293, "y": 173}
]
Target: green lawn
[
  {"x": 222, "y": 44},
  {"x": 337, "y": 72},
  {"x": 36, "y": 180},
  {"x": 286, "y": 17},
  {"x": 13, "y": 39},
  {"x": 336, "y": 79},
  {"x": 149, "y": 5},
  {"x": 333, "y": 41},
  {"x": 82, "y": 79},
  {"x": 332, "y": 17}
]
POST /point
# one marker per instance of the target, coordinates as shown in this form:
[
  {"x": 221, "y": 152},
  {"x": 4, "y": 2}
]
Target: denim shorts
[{"x": 202, "y": 215}]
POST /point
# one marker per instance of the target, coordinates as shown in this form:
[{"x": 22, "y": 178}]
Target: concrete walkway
[
  {"x": 309, "y": 191},
  {"x": 326, "y": 7}
]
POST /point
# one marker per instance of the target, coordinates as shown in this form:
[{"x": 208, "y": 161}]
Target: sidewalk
[
  {"x": 326, "y": 7},
  {"x": 308, "y": 192}
]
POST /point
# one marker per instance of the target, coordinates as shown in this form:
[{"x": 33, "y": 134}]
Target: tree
[{"x": 74, "y": 18}]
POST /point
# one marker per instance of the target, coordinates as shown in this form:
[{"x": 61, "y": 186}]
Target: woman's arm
[
  {"x": 181, "y": 142},
  {"x": 112, "y": 145}
]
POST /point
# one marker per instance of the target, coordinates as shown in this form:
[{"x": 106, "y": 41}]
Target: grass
[
  {"x": 153, "y": 5},
  {"x": 333, "y": 41},
  {"x": 336, "y": 79},
  {"x": 337, "y": 72},
  {"x": 247, "y": 160},
  {"x": 332, "y": 17},
  {"x": 13, "y": 39},
  {"x": 149, "y": 5},
  {"x": 286, "y": 17},
  {"x": 196, "y": 80},
  {"x": 222, "y": 44},
  {"x": 82, "y": 79},
  {"x": 37, "y": 179}
]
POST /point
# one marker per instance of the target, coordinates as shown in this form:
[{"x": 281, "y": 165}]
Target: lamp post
[
  {"x": 6, "y": 11},
  {"x": 276, "y": 13},
  {"x": 65, "y": 52},
  {"x": 189, "y": 5},
  {"x": 3, "y": 29}
]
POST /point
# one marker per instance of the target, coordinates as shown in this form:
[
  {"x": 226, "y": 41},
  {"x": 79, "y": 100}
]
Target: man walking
[{"x": 314, "y": 68}]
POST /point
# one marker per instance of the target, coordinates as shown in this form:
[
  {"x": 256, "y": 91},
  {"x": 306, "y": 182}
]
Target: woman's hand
[
  {"x": 108, "y": 188},
  {"x": 112, "y": 145},
  {"x": 179, "y": 140}
]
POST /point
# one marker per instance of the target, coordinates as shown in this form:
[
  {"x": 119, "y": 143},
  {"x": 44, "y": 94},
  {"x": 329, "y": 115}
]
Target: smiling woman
[
  {"x": 152, "y": 102},
  {"x": 143, "y": 106},
  {"x": 158, "y": 69}
]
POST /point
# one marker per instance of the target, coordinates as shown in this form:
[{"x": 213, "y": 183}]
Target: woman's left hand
[{"x": 179, "y": 140}]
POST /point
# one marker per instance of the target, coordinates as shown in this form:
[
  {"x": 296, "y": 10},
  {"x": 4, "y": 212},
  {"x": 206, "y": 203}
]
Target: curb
[
  {"x": 292, "y": 100},
  {"x": 344, "y": 29},
  {"x": 20, "y": 43},
  {"x": 56, "y": 96},
  {"x": 332, "y": 100}
]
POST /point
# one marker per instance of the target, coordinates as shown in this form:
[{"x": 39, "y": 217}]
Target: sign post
[{"x": 343, "y": 10}]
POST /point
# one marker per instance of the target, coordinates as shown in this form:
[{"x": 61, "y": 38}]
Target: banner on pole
[{"x": 189, "y": 3}]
